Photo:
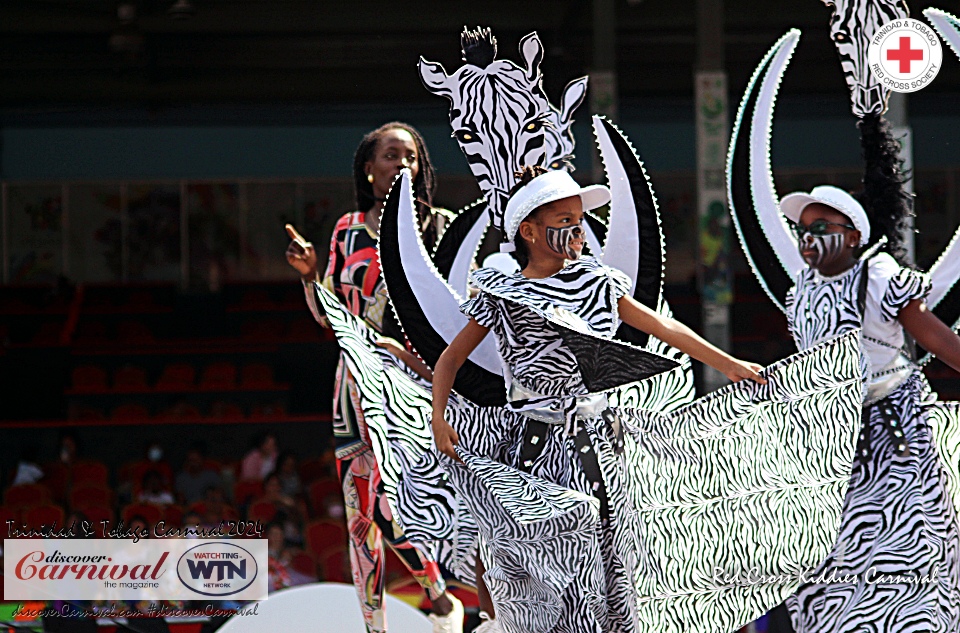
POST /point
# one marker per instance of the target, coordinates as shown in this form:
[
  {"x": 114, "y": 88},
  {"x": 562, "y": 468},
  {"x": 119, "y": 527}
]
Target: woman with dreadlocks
[
  {"x": 353, "y": 275},
  {"x": 895, "y": 565}
]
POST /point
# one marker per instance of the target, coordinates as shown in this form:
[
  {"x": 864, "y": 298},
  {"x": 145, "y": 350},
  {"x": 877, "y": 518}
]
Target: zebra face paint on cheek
[
  {"x": 559, "y": 240},
  {"x": 818, "y": 250}
]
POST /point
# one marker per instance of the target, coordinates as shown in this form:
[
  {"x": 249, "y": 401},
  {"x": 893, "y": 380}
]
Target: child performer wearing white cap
[
  {"x": 895, "y": 565},
  {"x": 532, "y": 471}
]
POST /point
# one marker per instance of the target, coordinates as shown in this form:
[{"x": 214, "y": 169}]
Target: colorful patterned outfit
[
  {"x": 353, "y": 274},
  {"x": 896, "y": 564}
]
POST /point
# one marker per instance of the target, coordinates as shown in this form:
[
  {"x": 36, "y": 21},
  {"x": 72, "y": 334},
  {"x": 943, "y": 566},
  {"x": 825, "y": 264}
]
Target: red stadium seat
[
  {"x": 257, "y": 376},
  {"x": 304, "y": 563},
  {"x": 97, "y": 514},
  {"x": 130, "y": 378},
  {"x": 323, "y": 534},
  {"x": 318, "y": 492},
  {"x": 226, "y": 411},
  {"x": 262, "y": 511},
  {"x": 334, "y": 565},
  {"x": 173, "y": 515},
  {"x": 134, "y": 332},
  {"x": 89, "y": 378},
  {"x": 43, "y": 515},
  {"x": 243, "y": 491},
  {"x": 9, "y": 514},
  {"x": 177, "y": 377},
  {"x": 219, "y": 376},
  {"x": 26, "y": 495},
  {"x": 131, "y": 412},
  {"x": 88, "y": 495},
  {"x": 56, "y": 476},
  {"x": 88, "y": 471},
  {"x": 151, "y": 514}
]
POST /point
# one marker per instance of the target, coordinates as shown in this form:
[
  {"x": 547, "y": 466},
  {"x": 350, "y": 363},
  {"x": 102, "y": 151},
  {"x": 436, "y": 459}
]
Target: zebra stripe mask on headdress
[{"x": 500, "y": 114}]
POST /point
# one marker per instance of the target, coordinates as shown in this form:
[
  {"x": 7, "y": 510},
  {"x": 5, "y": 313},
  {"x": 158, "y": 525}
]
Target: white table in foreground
[{"x": 325, "y": 607}]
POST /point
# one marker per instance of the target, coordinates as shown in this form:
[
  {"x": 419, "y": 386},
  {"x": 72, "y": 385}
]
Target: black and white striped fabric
[
  {"x": 501, "y": 116},
  {"x": 750, "y": 477},
  {"x": 895, "y": 565},
  {"x": 580, "y": 305},
  {"x": 423, "y": 503}
]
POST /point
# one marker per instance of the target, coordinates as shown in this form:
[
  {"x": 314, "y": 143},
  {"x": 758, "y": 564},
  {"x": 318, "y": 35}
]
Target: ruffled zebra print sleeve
[
  {"x": 620, "y": 283},
  {"x": 904, "y": 286},
  {"x": 483, "y": 308}
]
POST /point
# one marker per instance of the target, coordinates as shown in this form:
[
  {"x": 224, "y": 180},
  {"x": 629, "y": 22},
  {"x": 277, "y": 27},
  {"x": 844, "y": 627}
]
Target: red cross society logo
[{"x": 905, "y": 55}]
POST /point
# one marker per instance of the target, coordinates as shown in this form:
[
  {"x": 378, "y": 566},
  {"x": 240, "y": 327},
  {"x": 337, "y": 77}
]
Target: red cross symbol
[{"x": 905, "y": 54}]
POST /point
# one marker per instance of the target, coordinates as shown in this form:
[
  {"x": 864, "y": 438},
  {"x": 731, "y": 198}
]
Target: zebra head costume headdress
[
  {"x": 501, "y": 116},
  {"x": 852, "y": 25}
]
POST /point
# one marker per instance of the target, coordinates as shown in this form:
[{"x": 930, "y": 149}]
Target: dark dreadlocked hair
[
  {"x": 884, "y": 196},
  {"x": 524, "y": 176},
  {"x": 423, "y": 185}
]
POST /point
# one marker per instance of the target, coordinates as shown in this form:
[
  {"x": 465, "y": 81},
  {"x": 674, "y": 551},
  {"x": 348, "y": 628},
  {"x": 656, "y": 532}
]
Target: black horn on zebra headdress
[
  {"x": 852, "y": 25},
  {"x": 501, "y": 116}
]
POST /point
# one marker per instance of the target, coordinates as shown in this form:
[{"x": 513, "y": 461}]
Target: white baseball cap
[
  {"x": 793, "y": 204},
  {"x": 546, "y": 188}
]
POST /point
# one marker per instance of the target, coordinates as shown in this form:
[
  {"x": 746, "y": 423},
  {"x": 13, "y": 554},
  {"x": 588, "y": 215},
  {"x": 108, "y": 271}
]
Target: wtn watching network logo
[{"x": 217, "y": 569}]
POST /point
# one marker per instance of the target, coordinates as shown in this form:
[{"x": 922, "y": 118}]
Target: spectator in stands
[
  {"x": 152, "y": 490},
  {"x": 278, "y": 558},
  {"x": 193, "y": 481},
  {"x": 216, "y": 508},
  {"x": 28, "y": 472},
  {"x": 76, "y": 521},
  {"x": 138, "y": 526},
  {"x": 290, "y": 511},
  {"x": 289, "y": 477},
  {"x": 153, "y": 454},
  {"x": 262, "y": 458},
  {"x": 69, "y": 447}
]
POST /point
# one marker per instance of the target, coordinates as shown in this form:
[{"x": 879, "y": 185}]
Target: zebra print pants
[{"x": 896, "y": 564}]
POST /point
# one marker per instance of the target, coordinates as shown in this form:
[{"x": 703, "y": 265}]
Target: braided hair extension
[
  {"x": 884, "y": 196},
  {"x": 524, "y": 176},
  {"x": 423, "y": 185}
]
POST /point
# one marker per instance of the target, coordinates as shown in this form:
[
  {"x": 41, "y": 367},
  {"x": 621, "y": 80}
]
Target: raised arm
[
  {"x": 449, "y": 363},
  {"x": 678, "y": 335},
  {"x": 932, "y": 333}
]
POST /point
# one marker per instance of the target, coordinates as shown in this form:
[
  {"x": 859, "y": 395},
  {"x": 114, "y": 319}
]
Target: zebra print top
[
  {"x": 819, "y": 308},
  {"x": 583, "y": 297}
]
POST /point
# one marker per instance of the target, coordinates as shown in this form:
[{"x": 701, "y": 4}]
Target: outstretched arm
[
  {"x": 449, "y": 363},
  {"x": 409, "y": 359},
  {"x": 678, "y": 335},
  {"x": 932, "y": 333}
]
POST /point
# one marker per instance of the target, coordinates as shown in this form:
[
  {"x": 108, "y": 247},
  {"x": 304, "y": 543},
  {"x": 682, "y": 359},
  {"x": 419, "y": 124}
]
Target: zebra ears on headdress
[
  {"x": 526, "y": 128},
  {"x": 852, "y": 25}
]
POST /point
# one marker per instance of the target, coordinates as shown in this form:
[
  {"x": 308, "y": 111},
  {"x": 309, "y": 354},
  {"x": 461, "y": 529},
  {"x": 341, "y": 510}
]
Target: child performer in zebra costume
[
  {"x": 536, "y": 474},
  {"x": 353, "y": 273},
  {"x": 896, "y": 563}
]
